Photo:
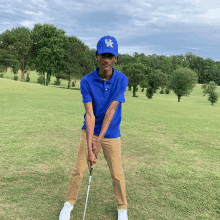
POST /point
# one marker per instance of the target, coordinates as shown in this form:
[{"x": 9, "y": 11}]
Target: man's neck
[{"x": 105, "y": 74}]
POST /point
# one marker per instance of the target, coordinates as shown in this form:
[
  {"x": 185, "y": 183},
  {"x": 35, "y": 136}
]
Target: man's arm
[
  {"x": 90, "y": 124},
  {"x": 108, "y": 118}
]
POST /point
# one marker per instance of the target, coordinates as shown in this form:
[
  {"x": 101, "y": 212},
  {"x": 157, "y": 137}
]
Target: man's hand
[
  {"x": 91, "y": 160},
  {"x": 96, "y": 147}
]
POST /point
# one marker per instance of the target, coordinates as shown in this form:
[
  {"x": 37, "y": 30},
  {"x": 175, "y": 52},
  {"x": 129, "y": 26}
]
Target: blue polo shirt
[{"x": 101, "y": 93}]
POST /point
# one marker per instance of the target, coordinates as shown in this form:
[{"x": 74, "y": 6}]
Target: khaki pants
[{"x": 112, "y": 152}]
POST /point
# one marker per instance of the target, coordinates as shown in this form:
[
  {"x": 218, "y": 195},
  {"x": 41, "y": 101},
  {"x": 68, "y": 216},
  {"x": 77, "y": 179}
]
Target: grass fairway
[{"x": 170, "y": 155}]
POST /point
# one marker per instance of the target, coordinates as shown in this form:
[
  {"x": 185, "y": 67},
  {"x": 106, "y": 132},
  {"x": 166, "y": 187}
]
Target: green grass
[
  {"x": 33, "y": 78},
  {"x": 170, "y": 155}
]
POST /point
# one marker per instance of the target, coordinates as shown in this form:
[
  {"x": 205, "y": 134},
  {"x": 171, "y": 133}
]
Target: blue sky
[{"x": 163, "y": 27}]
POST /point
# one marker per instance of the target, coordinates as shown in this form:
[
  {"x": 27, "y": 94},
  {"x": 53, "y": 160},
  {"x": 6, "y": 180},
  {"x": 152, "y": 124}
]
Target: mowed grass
[
  {"x": 33, "y": 78},
  {"x": 170, "y": 155}
]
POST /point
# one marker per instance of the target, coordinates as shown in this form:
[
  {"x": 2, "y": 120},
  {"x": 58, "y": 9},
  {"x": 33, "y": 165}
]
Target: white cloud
[
  {"x": 29, "y": 24},
  {"x": 135, "y": 19},
  {"x": 40, "y": 13},
  {"x": 93, "y": 29},
  {"x": 193, "y": 48},
  {"x": 90, "y": 41},
  {"x": 131, "y": 49},
  {"x": 171, "y": 16},
  {"x": 141, "y": 12},
  {"x": 212, "y": 14},
  {"x": 40, "y": 4}
]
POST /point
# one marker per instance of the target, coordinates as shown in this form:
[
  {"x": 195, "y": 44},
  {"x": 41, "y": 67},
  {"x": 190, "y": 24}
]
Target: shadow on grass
[{"x": 111, "y": 211}]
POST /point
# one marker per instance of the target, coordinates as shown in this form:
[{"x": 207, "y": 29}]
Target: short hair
[{"x": 98, "y": 54}]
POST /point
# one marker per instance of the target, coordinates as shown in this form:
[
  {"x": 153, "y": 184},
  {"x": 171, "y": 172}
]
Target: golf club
[{"x": 90, "y": 177}]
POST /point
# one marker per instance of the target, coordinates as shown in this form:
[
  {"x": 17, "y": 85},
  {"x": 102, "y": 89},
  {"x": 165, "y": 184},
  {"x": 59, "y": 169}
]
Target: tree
[
  {"x": 143, "y": 84},
  {"x": 165, "y": 64},
  {"x": 3, "y": 69},
  {"x": 190, "y": 57},
  {"x": 3, "y": 61},
  {"x": 77, "y": 60},
  {"x": 93, "y": 57},
  {"x": 155, "y": 80},
  {"x": 23, "y": 45},
  {"x": 209, "y": 88},
  {"x": 18, "y": 44},
  {"x": 207, "y": 69},
  {"x": 135, "y": 73},
  {"x": 11, "y": 52},
  {"x": 118, "y": 67},
  {"x": 182, "y": 81},
  {"x": 213, "y": 97},
  {"x": 124, "y": 59},
  {"x": 178, "y": 61},
  {"x": 153, "y": 61},
  {"x": 142, "y": 58},
  {"x": 49, "y": 49}
]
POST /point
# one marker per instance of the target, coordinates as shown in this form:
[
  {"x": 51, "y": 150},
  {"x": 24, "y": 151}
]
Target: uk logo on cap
[{"x": 107, "y": 44}]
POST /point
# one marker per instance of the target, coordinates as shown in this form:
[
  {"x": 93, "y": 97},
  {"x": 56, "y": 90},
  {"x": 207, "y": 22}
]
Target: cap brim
[{"x": 107, "y": 51}]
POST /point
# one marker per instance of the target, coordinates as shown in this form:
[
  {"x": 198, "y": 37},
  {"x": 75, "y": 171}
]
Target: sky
[{"x": 163, "y": 27}]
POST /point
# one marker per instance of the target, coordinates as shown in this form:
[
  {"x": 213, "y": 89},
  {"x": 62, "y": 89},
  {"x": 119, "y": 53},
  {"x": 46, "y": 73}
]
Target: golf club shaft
[{"x": 90, "y": 177}]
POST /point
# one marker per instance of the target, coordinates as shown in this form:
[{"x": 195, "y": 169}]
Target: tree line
[{"x": 50, "y": 52}]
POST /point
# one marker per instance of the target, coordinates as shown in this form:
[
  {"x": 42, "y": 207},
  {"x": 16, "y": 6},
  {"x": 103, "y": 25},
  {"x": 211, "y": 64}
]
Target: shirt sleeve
[
  {"x": 85, "y": 91},
  {"x": 120, "y": 97}
]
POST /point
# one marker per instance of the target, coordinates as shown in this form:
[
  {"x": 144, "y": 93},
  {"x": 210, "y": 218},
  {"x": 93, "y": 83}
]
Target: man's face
[{"x": 106, "y": 61}]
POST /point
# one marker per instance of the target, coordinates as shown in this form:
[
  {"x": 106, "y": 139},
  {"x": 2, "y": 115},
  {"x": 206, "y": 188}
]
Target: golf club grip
[{"x": 91, "y": 171}]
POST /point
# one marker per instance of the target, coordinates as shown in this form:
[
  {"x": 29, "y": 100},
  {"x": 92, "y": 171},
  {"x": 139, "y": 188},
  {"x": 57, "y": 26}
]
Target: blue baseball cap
[{"x": 107, "y": 44}]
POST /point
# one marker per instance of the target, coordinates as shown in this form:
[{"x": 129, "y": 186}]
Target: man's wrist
[
  {"x": 99, "y": 138},
  {"x": 90, "y": 149}
]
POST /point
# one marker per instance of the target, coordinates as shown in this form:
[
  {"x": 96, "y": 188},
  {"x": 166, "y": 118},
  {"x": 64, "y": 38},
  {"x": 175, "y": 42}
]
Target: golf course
[{"x": 170, "y": 154}]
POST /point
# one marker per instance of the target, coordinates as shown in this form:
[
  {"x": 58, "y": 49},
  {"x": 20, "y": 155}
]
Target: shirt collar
[{"x": 96, "y": 76}]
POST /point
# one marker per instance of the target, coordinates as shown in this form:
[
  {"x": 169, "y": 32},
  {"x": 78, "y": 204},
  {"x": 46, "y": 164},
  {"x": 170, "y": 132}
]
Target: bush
[
  {"x": 213, "y": 97},
  {"x": 182, "y": 81},
  {"x": 27, "y": 78},
  {"x": 47, "y": 82},
  {"x": 142, "y": 89},
  {"x": 3, "y": 69},
  {"x": 149, "y": 93},
  {"x": 41, "y": 80},
  {"x": 57, "y": 82},
  {"x": 167, "y": 91},
  {"x": 209, "y": 88},
  {"x": 161, "y": 91},
  {"x": 73, "y": 84},
  {"x": 15, "y": 77}
]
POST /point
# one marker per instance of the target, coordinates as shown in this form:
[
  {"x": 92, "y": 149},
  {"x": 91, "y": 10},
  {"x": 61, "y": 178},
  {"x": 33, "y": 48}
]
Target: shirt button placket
[{"x": 106, "y": 89}]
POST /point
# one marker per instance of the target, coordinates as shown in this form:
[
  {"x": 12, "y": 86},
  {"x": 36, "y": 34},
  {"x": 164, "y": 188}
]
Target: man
[{"x": 102, "y": 93}]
